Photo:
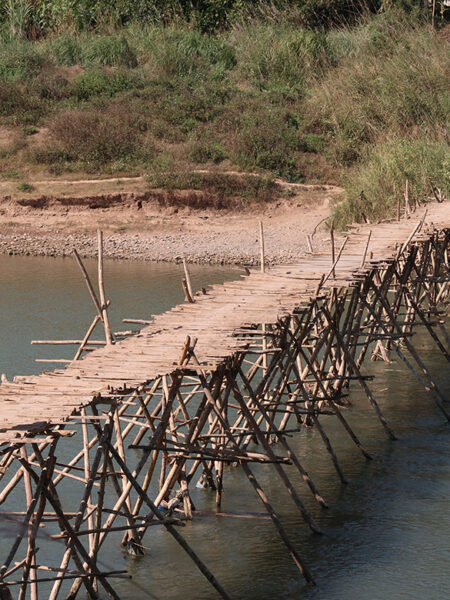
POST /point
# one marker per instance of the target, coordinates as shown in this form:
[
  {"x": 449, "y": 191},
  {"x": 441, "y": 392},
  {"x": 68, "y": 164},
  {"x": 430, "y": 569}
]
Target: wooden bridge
[{"x": 217, "y": 381}]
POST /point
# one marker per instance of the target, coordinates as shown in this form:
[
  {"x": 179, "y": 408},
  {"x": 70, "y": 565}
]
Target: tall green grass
[
  {"x": 279, "y": 57},
  {"x": 395, "y": 82},
  {"x": 378, "y": 182}
]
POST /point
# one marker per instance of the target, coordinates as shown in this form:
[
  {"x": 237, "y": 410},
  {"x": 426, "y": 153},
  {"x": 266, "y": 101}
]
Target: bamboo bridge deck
[{"x": 31, "y": 405}]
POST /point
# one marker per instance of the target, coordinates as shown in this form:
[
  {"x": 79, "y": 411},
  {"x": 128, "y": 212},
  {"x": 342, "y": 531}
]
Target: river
[{"x": 386, "y": 532}]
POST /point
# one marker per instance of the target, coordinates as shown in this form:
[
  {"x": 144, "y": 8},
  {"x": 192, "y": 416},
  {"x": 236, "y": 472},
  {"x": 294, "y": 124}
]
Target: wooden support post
[
  {"x": 31, "y": 554},
  {"x": 282, "y": 474},
  {"x": 276, "y": 521},
  {"x": 88, "y": 283},
  {"x": 366, "y": 249},
  {"x": 78, "y": 546},
  {"x": 187, "y": 294},
  {"x": 335, "y": 261},
  {"x": 439, "y": 397},
  {"x": 173, "y": 532},
  {"x": 291, "y": 454},
  {"x": 101, "y": 287},
  {"x": 188, "y": 281},
  {"x": 407, "y": 204},
  {"x": 261, "y": 247},
  {"x": 333, "y": 258},
  {"x": 361, "y": 380}
]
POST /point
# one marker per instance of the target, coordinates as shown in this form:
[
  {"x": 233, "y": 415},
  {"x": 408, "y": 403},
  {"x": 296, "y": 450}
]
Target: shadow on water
[{"x": 386, "y": 532}]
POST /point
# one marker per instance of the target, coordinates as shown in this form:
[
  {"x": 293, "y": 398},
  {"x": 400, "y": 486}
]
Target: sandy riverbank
[{"x": 59, "y": 216}]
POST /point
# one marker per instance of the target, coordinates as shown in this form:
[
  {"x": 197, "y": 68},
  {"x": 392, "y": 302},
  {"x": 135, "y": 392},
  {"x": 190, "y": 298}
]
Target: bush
[
  {"x": 30, "y": 130},
  {"x": 97, "y": 82},
  {"x": 94, "y": 137},
  {"x": 23, "y": 186},
  {"x": 181, "y": 109},
  {"x": 219, "y": 189},
  {"x": 375, "y": 186},
  {"x": 207, "y": 151},
  {"x": 20, "y": 105},
  {"x": 266, "y": 138},
  {"x": 51, "y": 86}
]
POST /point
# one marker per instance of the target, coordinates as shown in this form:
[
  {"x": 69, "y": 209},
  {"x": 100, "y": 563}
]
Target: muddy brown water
[{"x": 386, "y": 532}]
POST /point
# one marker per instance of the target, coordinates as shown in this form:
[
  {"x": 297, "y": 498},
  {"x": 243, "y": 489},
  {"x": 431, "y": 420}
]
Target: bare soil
[{"x": 58, "y": 215}]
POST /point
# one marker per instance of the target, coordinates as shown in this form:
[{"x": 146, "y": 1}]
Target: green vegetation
[
  {"x": 25, "y": 187},
  {"x": 279, "y": 93}
]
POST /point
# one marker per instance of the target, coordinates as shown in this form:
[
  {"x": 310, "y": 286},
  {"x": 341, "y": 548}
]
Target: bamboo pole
[
  {"x": 101, "y": 287},
  {"x": 188, "y": 281},
  {"x": 333, "y": 258},
  {"x": 261, "y": 247},
  {"x": 88, "y": 283}
]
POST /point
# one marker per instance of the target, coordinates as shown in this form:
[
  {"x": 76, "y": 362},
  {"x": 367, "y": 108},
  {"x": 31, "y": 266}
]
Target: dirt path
[{"x": 60, "y": 214}]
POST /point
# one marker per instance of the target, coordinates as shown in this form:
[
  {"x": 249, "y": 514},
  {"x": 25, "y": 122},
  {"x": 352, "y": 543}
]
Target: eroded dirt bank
[{"x": 150, "y": 225}]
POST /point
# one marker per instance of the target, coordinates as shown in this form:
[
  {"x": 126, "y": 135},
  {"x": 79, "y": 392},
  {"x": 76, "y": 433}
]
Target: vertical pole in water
[
  {"x": 333, "y": 273},
  {"x": 263, "y": 325},
  {"x": 187, "y": 286},
  {"x": 261, "y": 247},
  {"x": 101, "y": 287},
  {"x": 31, "y": 553},
  {"x": 366, "y": 249}
]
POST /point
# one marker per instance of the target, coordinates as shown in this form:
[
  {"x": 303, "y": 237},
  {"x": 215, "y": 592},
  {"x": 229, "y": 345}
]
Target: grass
[
  {"x": 363, "y": 106},
  {"x": 378, "y": 182}
]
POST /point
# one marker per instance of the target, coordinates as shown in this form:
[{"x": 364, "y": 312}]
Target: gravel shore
[
  {"x": 282, "y": 246},
  {"x": 146, "y": 231}
]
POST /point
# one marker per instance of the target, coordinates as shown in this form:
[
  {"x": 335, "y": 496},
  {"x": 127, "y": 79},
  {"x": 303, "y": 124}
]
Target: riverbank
[{"x": 140, "y": 224}]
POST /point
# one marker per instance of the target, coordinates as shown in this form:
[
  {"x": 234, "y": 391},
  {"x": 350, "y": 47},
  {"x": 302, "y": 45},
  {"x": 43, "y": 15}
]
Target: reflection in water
[{"x": 386, "y": 533}]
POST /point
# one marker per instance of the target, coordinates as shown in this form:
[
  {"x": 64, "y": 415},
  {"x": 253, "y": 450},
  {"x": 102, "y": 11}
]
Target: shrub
[
  {"x": 51, "y": 86},
  {"x": 94, "y": 137},
  {"x": 219, "y": 189},
  {"x": 266, "y": 138},
  {"x": 312, "y": 143},
  {"x": 376, "y": 93},
  {"x": 98, "y": 82},
  {"x": 30, "y": 129},
  {"x": 182, "y": 108},
  {"x": 207, "y": 151},
  {"x": 376, "y": 184},
  {"x": 20, "y": 105},
  {"x": 23, "y": 186}
]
